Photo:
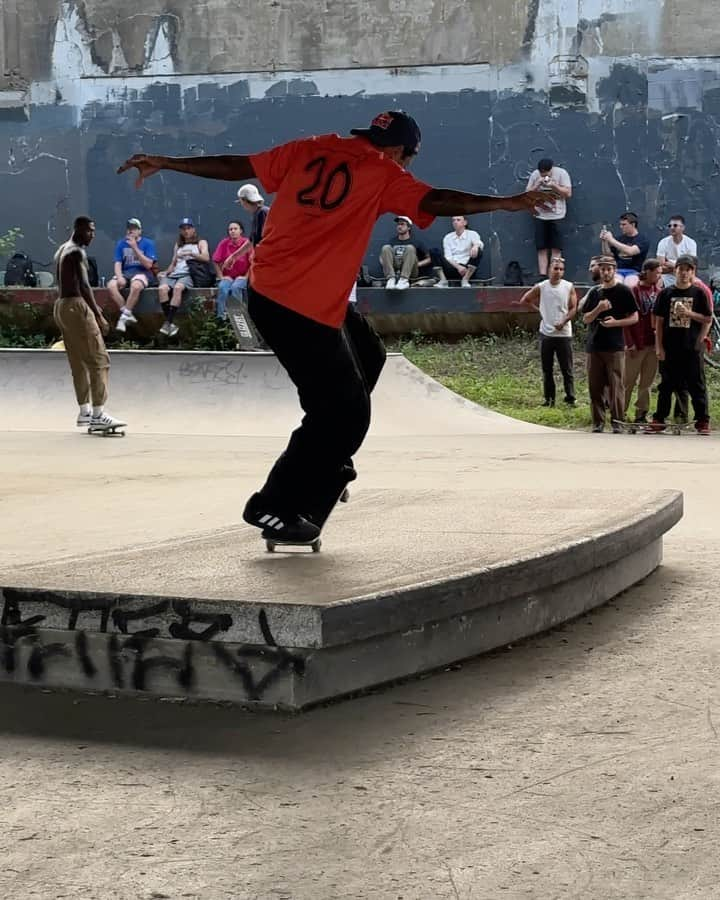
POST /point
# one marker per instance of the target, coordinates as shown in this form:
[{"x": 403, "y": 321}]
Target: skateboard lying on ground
[
  {"x": 105, "y": 430},
  {"x": 646, "y": 428},
  {"x": 337, "y": 493}
]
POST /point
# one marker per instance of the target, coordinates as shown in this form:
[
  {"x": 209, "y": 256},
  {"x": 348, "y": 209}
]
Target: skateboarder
[
  {"x": 683, "y": 315},
  {"x": 330, "y": 190},
  {"x": 83, "y": 325}
]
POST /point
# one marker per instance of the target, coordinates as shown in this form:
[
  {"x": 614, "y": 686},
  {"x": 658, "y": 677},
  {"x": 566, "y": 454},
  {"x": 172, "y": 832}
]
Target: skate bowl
[{"x": 127, "y": 567}]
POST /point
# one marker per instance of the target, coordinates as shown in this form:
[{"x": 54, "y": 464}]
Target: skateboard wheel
[
  {"x": 269, "y": 546},
  {"x": 316, "y": 545},
  {"x": 345, "y": 496}
]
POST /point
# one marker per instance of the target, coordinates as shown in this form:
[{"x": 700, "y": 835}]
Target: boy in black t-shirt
[
  {"x": 682, "y": 320},
  {"x": 609, "y": 308}
]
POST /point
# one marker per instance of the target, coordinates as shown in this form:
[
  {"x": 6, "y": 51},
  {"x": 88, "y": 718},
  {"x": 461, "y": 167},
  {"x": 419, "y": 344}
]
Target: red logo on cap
[{"x": 384, "y": 121}]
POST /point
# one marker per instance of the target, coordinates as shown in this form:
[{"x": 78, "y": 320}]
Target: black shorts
[{"x": 548, "y": 234}]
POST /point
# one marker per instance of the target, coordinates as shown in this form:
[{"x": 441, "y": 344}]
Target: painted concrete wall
[{"x": 605, "y": 87}]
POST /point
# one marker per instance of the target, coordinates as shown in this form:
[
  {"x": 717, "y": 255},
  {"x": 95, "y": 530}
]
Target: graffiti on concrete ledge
[{"x": 127, "y": 659}]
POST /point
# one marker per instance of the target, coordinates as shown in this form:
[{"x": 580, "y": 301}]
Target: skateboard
[
  {"x": 113, "y": 430},
  {"x": 337, "y": 493},
  {"x": 675, "y": 428},
  {"x": 241, "y": 323}
]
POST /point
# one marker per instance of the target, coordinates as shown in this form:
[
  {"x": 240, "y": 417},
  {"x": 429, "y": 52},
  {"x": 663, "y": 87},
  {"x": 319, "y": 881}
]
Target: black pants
[
  {"x": 679, "y": 371},
  {"x": 550, "y": 347},
  {"x": 450, "y": 272},
  {"x": 334, "y": 371}
]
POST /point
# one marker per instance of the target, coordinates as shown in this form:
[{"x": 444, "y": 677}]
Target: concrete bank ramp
[
  {"x": 125, "y": 565},
  {"x": 165, "y": 392}
]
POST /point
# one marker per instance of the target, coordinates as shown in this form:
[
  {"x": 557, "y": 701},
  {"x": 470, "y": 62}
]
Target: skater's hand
[
  {"x": 660, "y": 353},
  {"x": 103, "y": 325},
  {"x": 605, "y": 235},
  {"x": 604, "y": 304},
  {"x": 559, "y": 326},
  {"x": 146, "y": 166},
  {"x": 121, "y": 282},
  {"x": 610, "y": 322}
]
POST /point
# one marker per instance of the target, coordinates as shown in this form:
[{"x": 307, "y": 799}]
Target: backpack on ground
[
  {"x": 19, "y": 271},
  {"x": 513, "y": 274}
]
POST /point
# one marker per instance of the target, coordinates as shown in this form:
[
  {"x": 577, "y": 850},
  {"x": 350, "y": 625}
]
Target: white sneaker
[
  {"x": 172, "y": 330},
  {"x": 129, "y": 317},
  {"x": 121, "y": 324},
  {"x": 402, "y": 284},
  {"x": 390, "y": 284},
  {"x": 464, "y": 283},
  {"x": 106, "y": 421},
  {"x": 165, "y": 328},
  {"x": 83, "y": 418},
  {"x": 442, "y": 284}
]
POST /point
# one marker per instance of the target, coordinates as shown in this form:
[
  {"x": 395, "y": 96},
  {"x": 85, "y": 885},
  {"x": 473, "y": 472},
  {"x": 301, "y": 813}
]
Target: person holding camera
[{"x": 548, "y": 231}]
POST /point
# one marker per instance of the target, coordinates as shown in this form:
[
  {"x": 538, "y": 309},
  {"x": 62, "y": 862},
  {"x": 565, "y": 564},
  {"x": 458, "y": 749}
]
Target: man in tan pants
[{"x": 83, "y": 325}]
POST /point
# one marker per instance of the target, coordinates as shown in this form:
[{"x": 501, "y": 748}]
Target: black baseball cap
[{"x": 394, "y": 128}]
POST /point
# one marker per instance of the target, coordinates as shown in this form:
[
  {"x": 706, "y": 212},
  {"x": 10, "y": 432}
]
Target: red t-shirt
[
  {"x": 225, "y": 250},
  {"x": 330, "y": 191}
]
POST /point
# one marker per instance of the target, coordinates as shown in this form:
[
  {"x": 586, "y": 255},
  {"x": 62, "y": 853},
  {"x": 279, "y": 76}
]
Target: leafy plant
[{"x": 8, "y": 241}]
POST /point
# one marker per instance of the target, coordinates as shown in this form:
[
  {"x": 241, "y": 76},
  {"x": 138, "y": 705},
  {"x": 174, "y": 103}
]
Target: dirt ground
[{"x": 578, "y": 764}]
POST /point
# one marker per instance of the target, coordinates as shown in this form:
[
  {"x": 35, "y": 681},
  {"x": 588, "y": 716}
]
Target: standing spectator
[
  {"x": 556, "y": 301},
  {"x": 629, "y": 249},
  {"x": 462, "y": 250},
  {"x": 135, "y": 257},
  {"x": 676, "y": 244},
  {"x": 252, "y": 201},
  {"x": 232, "y": 263},
  {"x": 403, "y": 256},
  {"x": 640, "y": 357},
  {"x": 177, "y": 275},
  {"x": 548, "y": 230},
  {"x": 683, "y": 317},
  {"x": 83, "y": 325},
  {"x": 609, "y": 308}
]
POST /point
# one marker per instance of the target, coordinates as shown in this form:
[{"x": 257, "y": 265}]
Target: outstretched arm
[
  {"x": 224, "y": 168},
  {"x": 444, "y": 202}
]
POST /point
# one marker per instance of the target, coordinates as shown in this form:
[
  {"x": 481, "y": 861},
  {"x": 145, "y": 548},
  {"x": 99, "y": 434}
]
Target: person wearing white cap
[
  {"x": 403, "y": 256},
  {"x": 252, "y": 201}
]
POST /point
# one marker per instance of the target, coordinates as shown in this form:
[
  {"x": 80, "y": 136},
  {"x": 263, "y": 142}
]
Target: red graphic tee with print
[{"x": 330, "y": 191}]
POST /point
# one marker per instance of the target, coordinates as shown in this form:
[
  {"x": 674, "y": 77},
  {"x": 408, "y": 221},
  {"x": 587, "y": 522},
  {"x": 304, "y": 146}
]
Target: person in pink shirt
[{"x": 232, "y": 263}]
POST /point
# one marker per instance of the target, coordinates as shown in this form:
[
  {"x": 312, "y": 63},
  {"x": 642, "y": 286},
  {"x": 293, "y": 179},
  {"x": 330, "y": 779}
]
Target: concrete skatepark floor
[{"x": 580, "y": 763}]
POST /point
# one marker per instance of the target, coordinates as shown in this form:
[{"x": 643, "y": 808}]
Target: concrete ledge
[{"x": 269, "y": 652}]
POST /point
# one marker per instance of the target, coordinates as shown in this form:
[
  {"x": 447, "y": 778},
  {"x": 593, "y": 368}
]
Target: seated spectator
[
  {"x": 462, "y": 250},
  {"x": 676, "y": 244},
  {"x": 252, "y": 201},
  {"x": 135, "y": 257},
  {"x": 176, "y": 277},
  {"x": 629, "y": 249},
  {"x": 403, "y": 256},
  {"x": 232, "y": 263},
  {"x": 548, "y": 222}
]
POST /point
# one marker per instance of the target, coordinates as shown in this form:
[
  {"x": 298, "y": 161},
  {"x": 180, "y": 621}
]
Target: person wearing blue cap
[
  {"x": 176, "y": 277},
  {"x": 329, "y": 192}
]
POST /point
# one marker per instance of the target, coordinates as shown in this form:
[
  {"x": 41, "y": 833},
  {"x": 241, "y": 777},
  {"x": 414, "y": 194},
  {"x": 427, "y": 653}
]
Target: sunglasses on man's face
[{"x": 674, "y": 225}]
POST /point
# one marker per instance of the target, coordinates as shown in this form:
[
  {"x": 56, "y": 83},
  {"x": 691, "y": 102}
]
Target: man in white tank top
[{"x": 556, "y": 301}]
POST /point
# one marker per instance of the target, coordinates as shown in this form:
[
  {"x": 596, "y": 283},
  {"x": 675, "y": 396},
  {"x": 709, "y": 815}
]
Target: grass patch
[{"x": 503, "y": 373}]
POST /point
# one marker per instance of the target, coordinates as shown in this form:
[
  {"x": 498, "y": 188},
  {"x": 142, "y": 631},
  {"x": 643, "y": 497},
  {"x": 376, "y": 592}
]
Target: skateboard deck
[
  {"x": 113, "y": 430},
  {"x": 320, "y": 513},
  {"x": 245, "y": 331}
]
